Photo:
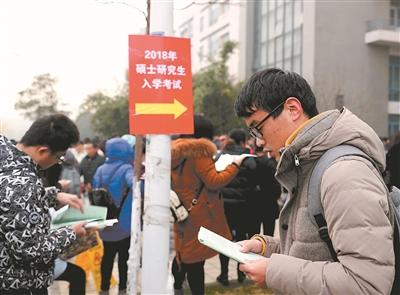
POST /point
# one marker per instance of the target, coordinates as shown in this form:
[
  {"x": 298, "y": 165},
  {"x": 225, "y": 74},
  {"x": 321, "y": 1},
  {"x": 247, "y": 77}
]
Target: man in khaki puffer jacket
[{"x": 280, "y": 110}]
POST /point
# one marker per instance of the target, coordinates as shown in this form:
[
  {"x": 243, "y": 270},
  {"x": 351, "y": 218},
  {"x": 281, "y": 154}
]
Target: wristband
[{"x": 263, "y": 243}]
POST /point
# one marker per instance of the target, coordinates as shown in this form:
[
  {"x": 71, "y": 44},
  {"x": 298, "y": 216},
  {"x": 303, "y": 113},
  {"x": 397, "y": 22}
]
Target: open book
[
  {"x": 95, "y": 216},
  {"x": 224, "y": 246}
]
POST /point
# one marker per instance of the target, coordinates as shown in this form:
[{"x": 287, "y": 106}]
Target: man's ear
[
  {"x": 41, "y": 150},
  {"x": 294, "y": 108}
]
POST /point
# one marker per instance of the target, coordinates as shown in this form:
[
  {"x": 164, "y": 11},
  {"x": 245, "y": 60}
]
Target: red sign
[{"x": 160, "y": 85}]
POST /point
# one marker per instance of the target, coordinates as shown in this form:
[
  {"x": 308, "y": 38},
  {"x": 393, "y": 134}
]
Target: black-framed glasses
[
  {"x": 255, "y": 131},
  {"x": 60, "y": 159}
]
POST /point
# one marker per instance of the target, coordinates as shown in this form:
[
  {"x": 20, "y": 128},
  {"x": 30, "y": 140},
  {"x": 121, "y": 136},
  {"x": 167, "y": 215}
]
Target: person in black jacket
[
  {"x": 90, "y": 163},
  {"x": 264, "y": 206},
  {"x": 393, "y": 161},
  {"x": 250, "y": 199},
  {"x": 235, "y": 195},
  {"x": 63, "y": 270}
]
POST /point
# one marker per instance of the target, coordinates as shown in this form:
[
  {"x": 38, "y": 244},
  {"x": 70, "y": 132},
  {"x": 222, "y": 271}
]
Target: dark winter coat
[
  {"x": 243, "y": 186},
  {"x": 89, "y": 167},
  {"x": 393, "y": 164}
]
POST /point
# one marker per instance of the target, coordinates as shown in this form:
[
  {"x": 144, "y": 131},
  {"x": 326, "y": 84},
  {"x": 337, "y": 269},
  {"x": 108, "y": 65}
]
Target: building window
[
  {"x": 395, "y": 16},
  {"x": 288, "y": 17},
  {"x": 223, "y": 38},
  {"x": 279, "y": 32},
  {"x": 187, "y": 29},
  {"x": 213, "y": 45},
  {"x": 224, "y": 7},
  {"x": 214, "y": 12},
  {"x": 201, "y": 53},
  {"x": 201, "y": 24},
  {"x": 394, "y": 78},
  {"x": 394, "y": 124},
  {"x": 260, "y": 50}
]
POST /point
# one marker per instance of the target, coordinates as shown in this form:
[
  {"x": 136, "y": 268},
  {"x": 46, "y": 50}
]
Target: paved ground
[{"x": 212, "y": 270}]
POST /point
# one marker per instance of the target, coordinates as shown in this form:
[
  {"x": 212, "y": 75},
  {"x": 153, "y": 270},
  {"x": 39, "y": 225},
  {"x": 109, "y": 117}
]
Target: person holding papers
[
  {"x": 64, "y": 270},
  {"x": 116, "y": 174},
  {"x": 28, "y": 248},
  {"x": 280, "y": 110},
  {"x": 194, "y": 176}
]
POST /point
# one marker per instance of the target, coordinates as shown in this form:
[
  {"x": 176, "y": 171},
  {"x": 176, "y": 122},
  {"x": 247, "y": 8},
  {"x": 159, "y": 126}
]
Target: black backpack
[
  {"x": 102, "y": 197},
  {"x": 316, "y": 211}
]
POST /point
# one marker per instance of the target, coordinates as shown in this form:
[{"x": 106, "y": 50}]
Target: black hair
[
  {"x": 239, "y": 135},
  {"x": 55, "y": 131},
  {"x": 203, "y": 128},
  {"x": 96, "y": 142},
  {"x": 268, "y": 88}
]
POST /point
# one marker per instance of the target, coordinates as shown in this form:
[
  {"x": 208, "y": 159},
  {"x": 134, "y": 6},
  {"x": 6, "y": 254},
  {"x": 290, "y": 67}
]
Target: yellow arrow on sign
[{"x": 175, "y": 108}]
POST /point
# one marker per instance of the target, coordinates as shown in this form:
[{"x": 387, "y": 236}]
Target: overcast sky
[{"x": 83, "y": 43}]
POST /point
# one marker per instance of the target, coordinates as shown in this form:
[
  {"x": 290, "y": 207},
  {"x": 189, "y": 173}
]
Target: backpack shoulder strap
[
  {"x": 124, "y": 196},
  {"x": 197, "y": 195},
  {"x": 315, "y": 209}
]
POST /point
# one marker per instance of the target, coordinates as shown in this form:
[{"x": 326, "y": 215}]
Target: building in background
[
  {"x": 349, "y": 51},
  {"x": 209, "y": 26}
]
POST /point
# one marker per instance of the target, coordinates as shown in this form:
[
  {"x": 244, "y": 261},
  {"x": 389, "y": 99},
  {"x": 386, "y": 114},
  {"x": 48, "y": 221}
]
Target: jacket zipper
[
  {"x": 296, "y": 161},
  {"x": 295, "y": 192}
]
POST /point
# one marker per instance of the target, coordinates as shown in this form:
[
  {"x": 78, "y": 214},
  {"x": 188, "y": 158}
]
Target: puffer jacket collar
[
  {"x": 183, "y": 148},
  {"x": 329, "y": 129},
  {"x": 299, "y": 150}
]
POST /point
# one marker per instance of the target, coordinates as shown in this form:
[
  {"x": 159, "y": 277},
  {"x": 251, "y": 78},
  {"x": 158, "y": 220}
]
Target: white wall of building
[
  {"x": 208, "y": 26},
  {"x": 338, "y": 62}
]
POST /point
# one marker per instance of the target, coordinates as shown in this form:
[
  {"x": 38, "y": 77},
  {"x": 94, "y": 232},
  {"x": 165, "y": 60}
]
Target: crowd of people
[{"x": 267, "y": 176}]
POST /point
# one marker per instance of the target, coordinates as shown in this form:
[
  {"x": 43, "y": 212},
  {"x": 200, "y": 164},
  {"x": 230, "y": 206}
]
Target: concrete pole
[
  {"x": 135, "y": 250},
  {"x": 156, "y": 215},
  {"x": 156, "y": 227}
]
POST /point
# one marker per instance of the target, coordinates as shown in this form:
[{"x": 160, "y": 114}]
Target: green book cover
[{"x": 68, "y": 216}]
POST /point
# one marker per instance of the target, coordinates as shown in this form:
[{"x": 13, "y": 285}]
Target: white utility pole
[
  {"x": 156, "y": 227},
  {"x": 136, "y": 240},
  {"x": 135, "y": 250},
  {"x": 156, "y": 231}
]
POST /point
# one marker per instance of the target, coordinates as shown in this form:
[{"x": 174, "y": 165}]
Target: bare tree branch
[{"x": 122, "y": 3}]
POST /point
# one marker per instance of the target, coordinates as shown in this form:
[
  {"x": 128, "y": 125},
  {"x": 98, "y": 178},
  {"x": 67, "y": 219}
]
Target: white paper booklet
[
  {"x": 99, "y": 225},
  {"x": 227, "y": 159},
  {"x": 224, "y": 246}
]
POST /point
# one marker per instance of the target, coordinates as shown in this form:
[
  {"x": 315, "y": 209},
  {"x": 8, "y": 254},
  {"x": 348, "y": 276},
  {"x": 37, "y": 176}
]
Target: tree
[
  {"x": 110, "y": 114},
  {"x": 40, "y": 98},
  {"x": 215, "y": 92}
]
